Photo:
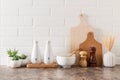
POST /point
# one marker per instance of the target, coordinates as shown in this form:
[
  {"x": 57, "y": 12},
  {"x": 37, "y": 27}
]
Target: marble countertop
[{"x": 75, "y": 73}]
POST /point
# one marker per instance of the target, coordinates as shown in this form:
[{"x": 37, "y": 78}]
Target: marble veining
[{"x": 75, "y": 73}]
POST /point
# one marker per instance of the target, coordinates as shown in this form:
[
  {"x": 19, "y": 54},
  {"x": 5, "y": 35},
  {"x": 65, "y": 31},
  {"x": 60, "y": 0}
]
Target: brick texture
[{"x": 23, "y": 21}]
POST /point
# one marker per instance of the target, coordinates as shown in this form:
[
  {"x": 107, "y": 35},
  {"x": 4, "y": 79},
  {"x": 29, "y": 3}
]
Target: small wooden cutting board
[{"x": 90, "y": 41}]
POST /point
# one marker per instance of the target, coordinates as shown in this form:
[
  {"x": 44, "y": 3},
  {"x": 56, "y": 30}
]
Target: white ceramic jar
[{"x": 109, "y": 59}]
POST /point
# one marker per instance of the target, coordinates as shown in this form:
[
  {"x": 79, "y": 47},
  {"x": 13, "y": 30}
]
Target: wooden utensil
[
  {"x": 90, "y": 41},
  {"x": 79, "y": 34}
]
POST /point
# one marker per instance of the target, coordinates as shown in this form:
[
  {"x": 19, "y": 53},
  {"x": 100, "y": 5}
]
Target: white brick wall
[{"x": 22, "y": 21}]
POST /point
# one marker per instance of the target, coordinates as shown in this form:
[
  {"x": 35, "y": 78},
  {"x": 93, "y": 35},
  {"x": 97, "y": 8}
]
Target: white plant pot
[
  {"x": 24, "y": 61},
  {"x": 109, "y": 59},
  {"x": 15, "y": 64}
]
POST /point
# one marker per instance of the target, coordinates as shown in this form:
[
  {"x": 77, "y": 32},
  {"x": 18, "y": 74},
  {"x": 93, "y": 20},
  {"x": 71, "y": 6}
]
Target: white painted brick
[
  {"x": 104, "y": 11},
  {"x": 67, "y": 44},
  {"x": 50, "y": 4},
  {"x": 55, "y": 41},
  {"x": 116, "y": 30},
  {"x": 117, "y": 40},
  {"x": 104, "y": 20},
  {"x": 24, "y": 50},
  {"x": 58, "y": 42},
  {"x": 60, "y": 51},
  {"x": 16, "y": 26},
  {"x": 16, "y": 42},
  {"x": 43, "y": 21},
  {"x": 116, "y": 50},
  {"x": 107, "y": 3},
  {"x": 72, "y": 21},
  {"x": 8, "y": 32},
  {"x": 66, "y": 12},
  {"x": 16, "y": 3},
  {"x": 81, "y": 3},
  {"x": 58, "y": 32},
  {"x": 16, "y": 20},
  {"x": 7, "y": 20},
  {"x": 34, "y": 11},
  {"x": 105, "y": 30},
  {"x": 9, "y": 11},
  {"x": 33, "y": 32},
  {"x": 116, "y": 20},
  {"x": 116, "y": 12},
  {"x": 3, "y": 60}
]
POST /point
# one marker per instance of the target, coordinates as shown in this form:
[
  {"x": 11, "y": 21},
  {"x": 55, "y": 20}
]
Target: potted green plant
[{"x": 14, "y": 58}]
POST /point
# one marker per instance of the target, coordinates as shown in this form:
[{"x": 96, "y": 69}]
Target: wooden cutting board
[
  {"x": 78, "y": 35},
  {"x": 90, "y": 41}
]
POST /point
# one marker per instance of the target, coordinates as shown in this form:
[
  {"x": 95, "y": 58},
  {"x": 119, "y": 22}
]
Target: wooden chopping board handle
[{"x": 90, "y": 36}]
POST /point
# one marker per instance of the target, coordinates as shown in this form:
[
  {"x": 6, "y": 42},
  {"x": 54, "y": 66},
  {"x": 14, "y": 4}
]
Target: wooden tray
[{"x": 42, "y": 65}]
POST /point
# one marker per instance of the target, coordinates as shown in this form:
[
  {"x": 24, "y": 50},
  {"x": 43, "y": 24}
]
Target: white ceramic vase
[
  {"x": 35, "y": 56},
  {"x": 109, "y": 59},
  {"x": 48, "y": 54},
  {"x": 15, "y": 64}
]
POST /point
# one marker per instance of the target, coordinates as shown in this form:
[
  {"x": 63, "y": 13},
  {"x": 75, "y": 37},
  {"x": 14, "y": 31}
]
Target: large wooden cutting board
[
  {"x": 90, "y": 41},
  {"x": 78, "y": 35}
]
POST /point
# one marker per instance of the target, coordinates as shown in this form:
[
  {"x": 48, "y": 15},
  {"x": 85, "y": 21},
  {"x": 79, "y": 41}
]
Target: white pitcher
[
  {"x": 48, "y": 54},
  {"x": 35, "y": 57}
]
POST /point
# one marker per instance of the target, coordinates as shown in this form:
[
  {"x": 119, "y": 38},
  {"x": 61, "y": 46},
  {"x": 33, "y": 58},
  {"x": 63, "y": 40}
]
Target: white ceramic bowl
[{"x": 65, "y": 61}]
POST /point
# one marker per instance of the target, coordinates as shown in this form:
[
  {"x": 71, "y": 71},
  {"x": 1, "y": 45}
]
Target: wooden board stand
[
  {"x": 42, "y": 65},
  {"x": 90, "y": 41}
]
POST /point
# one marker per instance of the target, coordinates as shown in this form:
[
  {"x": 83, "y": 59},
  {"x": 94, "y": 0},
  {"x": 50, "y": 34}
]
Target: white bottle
[
  {"x": 35, "y": 57},
  {"x": 48, "y": 55}
]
